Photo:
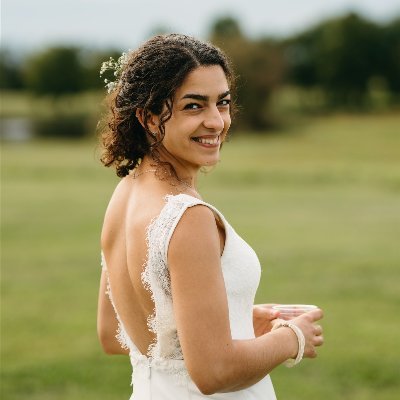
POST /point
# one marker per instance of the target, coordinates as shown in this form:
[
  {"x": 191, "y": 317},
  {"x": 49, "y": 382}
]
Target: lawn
[{"x": 320, "y": 204}]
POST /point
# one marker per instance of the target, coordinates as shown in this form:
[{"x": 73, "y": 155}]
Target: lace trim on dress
[
  {"x": 121, "y": 335},
  {"x": 175, "y": 367},
  {"x": 156, "y": 279}
]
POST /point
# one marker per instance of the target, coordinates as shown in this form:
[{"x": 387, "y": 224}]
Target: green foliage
[
  {"x": 320, "y": 206},
  {"x": 10, "y": 71},
  {"x": 342, "y": 56},
  {"x": 259, "y": 68},
  {"x": 91, "y": 63},
  {"x": 59, "y": 76},
  {"x": 55, "y": 71},
  {"x": 391, "y": 61},
  {"x": 354, "y": 62},
  {"x": 68, "y": 116},
  {"x": 226, "y": 28},
  {"x": 61, "y": 126}
]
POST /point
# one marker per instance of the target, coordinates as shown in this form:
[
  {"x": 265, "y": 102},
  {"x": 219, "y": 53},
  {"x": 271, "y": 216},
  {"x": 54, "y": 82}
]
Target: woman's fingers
[
  {"x": 318, "y": 340},
  {"x": 318, "y": 330},
  {"x": 263, "y": 310},
  {"x": 312, "y": 354},
  {"x": 312, "y": 331},
  {"x": 266, "y": 305},
  {"x": 315, "y": 315}
]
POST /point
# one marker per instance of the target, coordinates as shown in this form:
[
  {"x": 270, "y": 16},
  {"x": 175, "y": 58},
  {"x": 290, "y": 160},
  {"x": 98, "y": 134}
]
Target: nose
[{"x": 213, "y": 120}]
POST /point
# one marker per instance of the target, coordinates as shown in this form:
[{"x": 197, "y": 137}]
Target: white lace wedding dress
[{"x": 161, "y": 374}]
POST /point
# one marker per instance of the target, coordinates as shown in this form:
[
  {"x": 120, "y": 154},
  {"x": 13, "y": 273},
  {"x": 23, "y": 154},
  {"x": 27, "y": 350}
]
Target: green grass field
[{"x": 320, "y": 204}]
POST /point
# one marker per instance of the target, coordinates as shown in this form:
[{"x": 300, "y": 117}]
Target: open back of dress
[{"x": 161, "y": 374}]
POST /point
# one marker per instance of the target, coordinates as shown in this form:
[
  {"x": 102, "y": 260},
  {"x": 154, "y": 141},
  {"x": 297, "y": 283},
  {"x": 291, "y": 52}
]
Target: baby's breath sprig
[{"x": 116, "y": 66}]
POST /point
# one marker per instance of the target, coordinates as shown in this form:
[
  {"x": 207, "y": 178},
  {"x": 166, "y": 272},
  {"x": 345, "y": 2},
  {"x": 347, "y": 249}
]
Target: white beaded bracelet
[{"x": 300, "y": 340}]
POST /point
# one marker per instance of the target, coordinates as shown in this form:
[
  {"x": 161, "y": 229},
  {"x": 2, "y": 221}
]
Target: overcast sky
[{"x": 29, "y": 24}]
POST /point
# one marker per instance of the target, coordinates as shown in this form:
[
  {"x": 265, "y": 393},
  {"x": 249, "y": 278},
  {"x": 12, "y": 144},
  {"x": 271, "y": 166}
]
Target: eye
[
  {"x": 224, "y": 102},
  {"x": 192, "y": 106}
]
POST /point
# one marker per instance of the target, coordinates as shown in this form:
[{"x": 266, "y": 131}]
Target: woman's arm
[
  {"x": 215, "y": 361},
  {"x": 107, "y": 324}
]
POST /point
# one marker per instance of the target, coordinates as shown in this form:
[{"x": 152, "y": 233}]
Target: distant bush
[
  {"x": 56, "y": 71},
  {"x": 91, "y": 62},
  {"x": 10, "y": 71},
  {"x": 260, "y": 68},
  {"x": 343, "y": 56},
  {"x": 391, "y": 62},
  {"x": 61, "y": 126}
]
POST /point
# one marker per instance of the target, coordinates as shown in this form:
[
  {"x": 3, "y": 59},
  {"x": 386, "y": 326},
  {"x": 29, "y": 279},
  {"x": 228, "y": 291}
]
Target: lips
[{"x": 207, "y": 140}]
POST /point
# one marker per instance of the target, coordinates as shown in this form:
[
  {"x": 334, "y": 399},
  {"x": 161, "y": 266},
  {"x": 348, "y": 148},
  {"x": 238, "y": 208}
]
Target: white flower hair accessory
[{"x": 116, "y": 66}]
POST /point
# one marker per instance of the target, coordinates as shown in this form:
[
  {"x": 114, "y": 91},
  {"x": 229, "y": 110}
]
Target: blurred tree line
[
  {"x": 345, "y": 59},
  {"x": 55, "y": 71}
]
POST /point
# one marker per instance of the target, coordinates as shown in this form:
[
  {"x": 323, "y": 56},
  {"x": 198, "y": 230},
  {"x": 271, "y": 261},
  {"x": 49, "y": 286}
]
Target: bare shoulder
[
  {"x": 114, "y": 218},
  {"x": 195, "y": 234},
  {"x": 196, "y": 218}
]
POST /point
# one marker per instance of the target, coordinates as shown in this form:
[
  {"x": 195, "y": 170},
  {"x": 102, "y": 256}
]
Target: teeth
[{"x": 207, "y": 140}]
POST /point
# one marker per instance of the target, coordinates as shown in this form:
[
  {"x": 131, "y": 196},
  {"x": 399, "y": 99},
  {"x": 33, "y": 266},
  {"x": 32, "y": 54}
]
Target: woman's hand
[
  {"x": 263, "y": 317},
  {"x": 312, "y": 331}
]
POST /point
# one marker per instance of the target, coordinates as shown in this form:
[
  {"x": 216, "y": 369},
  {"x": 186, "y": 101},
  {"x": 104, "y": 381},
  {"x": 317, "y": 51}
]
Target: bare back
[
  {"x": 123, "y": 241},
  {"x": 132, "y": 207}
]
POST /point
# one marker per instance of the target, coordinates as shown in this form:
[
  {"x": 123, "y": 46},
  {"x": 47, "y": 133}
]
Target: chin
[{"x": 210, "y": 163}]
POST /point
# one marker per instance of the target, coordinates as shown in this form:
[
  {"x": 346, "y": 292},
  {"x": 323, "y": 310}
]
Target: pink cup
[{"x": 289, "y": 311}]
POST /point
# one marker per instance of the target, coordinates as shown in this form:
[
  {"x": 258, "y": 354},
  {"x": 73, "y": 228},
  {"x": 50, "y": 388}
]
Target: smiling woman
[
  {"x": 178, "y": 283},
  {"x": 168, "y": 72},
  {"x": 199, "y": 125}
]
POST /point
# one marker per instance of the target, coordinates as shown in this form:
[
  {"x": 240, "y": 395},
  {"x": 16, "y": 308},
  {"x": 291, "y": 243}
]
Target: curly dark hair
[{"x": 148, "y": 81}]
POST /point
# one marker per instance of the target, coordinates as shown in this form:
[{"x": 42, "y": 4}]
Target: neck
[{"x": 187, "y": 176}]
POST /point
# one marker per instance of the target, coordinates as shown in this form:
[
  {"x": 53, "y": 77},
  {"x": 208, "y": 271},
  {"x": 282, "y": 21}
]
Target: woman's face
[{"x": 200, "y": 118}]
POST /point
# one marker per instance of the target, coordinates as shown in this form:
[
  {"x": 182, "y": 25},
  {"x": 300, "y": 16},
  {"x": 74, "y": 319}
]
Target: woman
[{"x": 181, "y": 282}]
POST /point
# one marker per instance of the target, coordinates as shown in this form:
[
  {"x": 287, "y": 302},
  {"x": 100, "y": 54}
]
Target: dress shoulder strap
[
  {"x": 159, "y": 234},
  {"x": 162, "y": 227}
]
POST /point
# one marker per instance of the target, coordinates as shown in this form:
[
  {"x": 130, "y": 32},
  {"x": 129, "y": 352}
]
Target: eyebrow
[{"x": 201, "y": 97}]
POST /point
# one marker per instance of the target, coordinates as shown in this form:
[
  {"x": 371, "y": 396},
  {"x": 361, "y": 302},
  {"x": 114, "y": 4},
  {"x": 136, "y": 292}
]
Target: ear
[{"x": 152, "y": 121}]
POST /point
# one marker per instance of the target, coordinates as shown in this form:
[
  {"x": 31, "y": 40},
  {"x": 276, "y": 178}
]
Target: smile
[{"x": 207, "y": 140}]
